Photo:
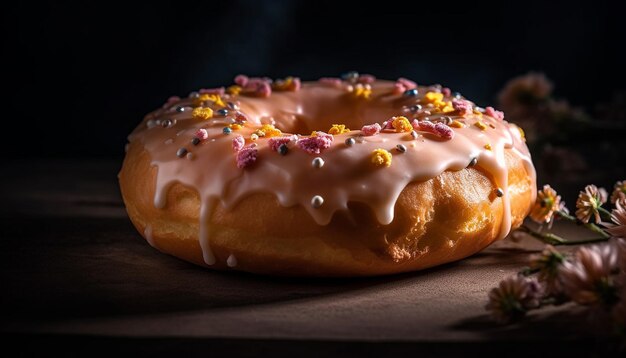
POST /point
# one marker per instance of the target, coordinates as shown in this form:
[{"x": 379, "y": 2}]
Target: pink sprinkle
[
  {"x": 439, "y": 129},
  {"x": 331, "y": 81},
  {"x": 490, "y": 111},
  {"x": 388, "y": 124},
  {"x": 246, "y": 156},
  {"x": 371, "y": 129},
  {"x": 365, "y": 79},
  {"x": 240, "y": 117},
  {"x": 263, "y": 89},
  {"x": 314, "y": 145},
  {"x": 295, "y": 84},
  {"x": 276, "y": 142},
  {"x": 408, "y": 84},
  {"x": 219, "y": 91},
  {"x": 446, "y": 91},
  {"x": 416, "y": 124},
  {"x": 202, "y": 134},
  {"x": 173, "y": 99},
  {"x": 398, "y": 88},
  {"x": 241, "y": 80},
  {"x": 238, "y": 143},
  {"x": 462, "y": 106}
]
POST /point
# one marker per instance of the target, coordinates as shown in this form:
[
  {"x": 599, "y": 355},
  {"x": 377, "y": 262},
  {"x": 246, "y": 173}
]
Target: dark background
[{"x": 80, "y": 76}]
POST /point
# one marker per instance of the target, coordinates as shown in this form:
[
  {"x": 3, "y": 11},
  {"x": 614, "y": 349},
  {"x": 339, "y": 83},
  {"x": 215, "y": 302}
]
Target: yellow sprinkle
[
  {"x": 447, "y": 108},
  {"x": 338, "y": 129},
  {"x": 477, "y": 112},
  {"x": 481, "y": 125},
  {"x": 381, "y": 157},
  {"x": 254, "y": 137},
  {"x": 433, "y": 97},
  {"x": 284, "y": 85},
  {"x": 269, "y": 131},
  {"x": 234, "y": 90},
  {"x": 202, "y": 113},
  {"x": 488, "y": 146},
  {"x": 521, "y": 132},
  {"x": 456, "y": 124},
  {"x": 235, "y": 126},
  {"x": 401, "y": 124},
  {"x": 361, "y": 91}
]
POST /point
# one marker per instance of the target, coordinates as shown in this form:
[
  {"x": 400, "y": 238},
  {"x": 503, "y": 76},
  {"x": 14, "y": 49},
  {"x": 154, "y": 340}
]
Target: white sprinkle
[
  {"x": 317, "y": 163},
  {"x": 169, "y": 141},
  {"x": 414, "y": 134},
  {"x": 401, "y": 148},
  {"x": 190, "y": 156},
  {"x": 231, "y": 261},
  {"x": 317, "y": 201}
]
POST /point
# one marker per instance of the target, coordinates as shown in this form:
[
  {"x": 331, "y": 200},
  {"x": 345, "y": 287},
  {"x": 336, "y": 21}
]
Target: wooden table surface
[{"x": 76, "y": 275}]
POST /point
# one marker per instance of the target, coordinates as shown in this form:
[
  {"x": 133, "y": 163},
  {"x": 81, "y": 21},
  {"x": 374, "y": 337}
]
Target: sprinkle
[
  {"x": 473, "y": 162},
  {"x": 381, "y": 157},
  {"x": 276, "y": 142},
  {"x": 401, "y": 124},
  {"x": 490, "y": 111},
  {"x": 317, "y": 162},
  {"x": 398, "y": 88},
  {"x": 482, "y": 126},
  {"x": 202, "y": 113},
  {"x": 190, "y": 156},
  {"x": 241, "y": 80},
  {"x": 194, "y": 94},
  {"x": 195, "y": 141},
  {"x": 209, "y": 97},
  {"x": 408, "y": 84},
  {"x": 234, "y": 90},
  {"x": 366, "y": 79},
  {"x": 232, "y": 105},
  {"x": 167, "y": 123},
  {"x": 202, "y": 134},
  {"x": 338, "y": 129},
  {"x": 218, "y": 91},
  {"x": 462, "y": 106},
  {"x": 456, "y": 124},
  {"x": 235, "y": 126},
  {"x": 180, "y": 109},
  {"x": 446, "y": 92},
  {"x": 371, "y": 129},
  {"x": 226, "y": 130},
  {"x": 288, "y": 84},
  {"x": 456, "y": 95},
  {"x": 315, "y": 143},
  {"x": 350, "y": 142},
  {"x": 350, "y": 76},
  {"x": 269, "y": 131},
  {"x": 401, "y": 148},
  {"x": 414, "y": 134},
  {"x": 246, "y": 156},
  {"x": 488, "y": 146},
  {"x": 283, "y": 149},
  {"x": 387, "y": 124},
  {"x": 254, "y": 137},
  {"x": 222, "y": 112},
  {"x": 317, "y": 201},
  {"x": 410, "y": 93},
  {"x": 362, "y": 91},
  {"x": 238, "y": 143},
  {"x": 499, "y": 192},
  {"x": 445, "y": 120},
  {"x": 331, "y": 81},
  {"x": 412, "y": 109},
  {"x": 439, "y": 129},
  {"x": 181, "y": 152},
  {"x": 433, "y": 97}
]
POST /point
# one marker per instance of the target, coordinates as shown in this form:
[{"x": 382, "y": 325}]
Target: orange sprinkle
[
  {"x": 338, "y": 129},
  {"x": 456, "y": 124},
  {"x": 381, "y": 157},
  {"x": 202, "y": 113},
  {"x": 401, "y": 124},
  {"x": 488, "y": 146},
  {"x": 481, "y": 125}
]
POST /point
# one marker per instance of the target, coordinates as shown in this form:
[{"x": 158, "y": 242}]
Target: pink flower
[
  {"x": 439, "y": 129},
  {"x": 462, "y": 106},
  {"x": 238, "y": 143},
  {"x": 513, "y": 297},
  {"x": 588, "y": 203},
  {"x": 218, "y": 91},
  {"x": 587, "y": 279},
  {"x": 276, "y": 142},
  {"x": 548, "y": 264},
  {"x": 618, "y": 216},
  {"x": 246, "y": 156},
  {"x": 490, "y": 111},
  {"x": 202, "y": 134},
  {"x": 371, "y": 129},
  {"x": 315, "y": 144}
]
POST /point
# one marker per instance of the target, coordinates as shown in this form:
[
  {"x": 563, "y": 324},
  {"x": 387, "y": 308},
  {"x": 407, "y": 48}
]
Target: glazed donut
[{"x": 348, "y": 176}]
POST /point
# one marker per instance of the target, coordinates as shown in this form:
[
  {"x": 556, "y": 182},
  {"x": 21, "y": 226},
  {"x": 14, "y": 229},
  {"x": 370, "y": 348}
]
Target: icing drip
[
  {"x": 147, "y": 233},
  {"x": 347, "y": 173},
  {"x": 231, "y": 261}
]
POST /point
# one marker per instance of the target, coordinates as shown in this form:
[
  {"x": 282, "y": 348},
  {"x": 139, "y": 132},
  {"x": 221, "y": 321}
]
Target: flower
[
  {"x": 527, "y": 89},
  {"x": 588, "y": 203},
  {"x": 618, "y": 216},
  {"x": 513, "y": 297},
  {"x": 547, "y": 203},
  {"x": 588, "y": 279},
  {"x": 548, "y": 264},
  {"x": 619, "y": 191}
]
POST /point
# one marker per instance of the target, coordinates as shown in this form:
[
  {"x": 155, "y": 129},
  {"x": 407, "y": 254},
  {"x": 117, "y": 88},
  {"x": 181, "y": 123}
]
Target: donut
[{"x": 339, "y": 177}]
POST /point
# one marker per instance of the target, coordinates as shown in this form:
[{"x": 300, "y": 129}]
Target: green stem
[
  {"x": 552, "y": 239},
  {"x": 607, "y": 214},
  {"x": 590, "y": 226}
]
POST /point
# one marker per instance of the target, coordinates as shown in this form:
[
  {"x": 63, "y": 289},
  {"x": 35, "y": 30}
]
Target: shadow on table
[{"x": 63, "y": 268}]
